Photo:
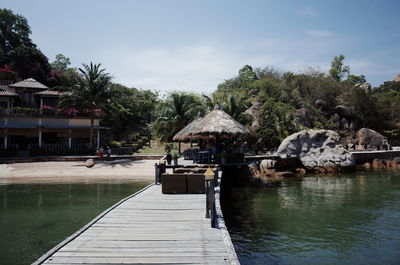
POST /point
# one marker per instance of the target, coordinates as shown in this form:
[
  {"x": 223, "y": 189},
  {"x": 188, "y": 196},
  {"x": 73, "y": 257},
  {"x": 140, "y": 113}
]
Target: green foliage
[
  {"x": 276, "y": 122},
  {"x": 113, "y": 143},
  {"x": 61, "y": 63},
  {"x": 175, "y": 154},
  {"x": 338, "y": 70},
  {"x": 168, "y": 147},
  {"x": 14, "y": 33},
  {"x": 387, "y": 98},
  {"x": 30, "y": 62},
  {"x": 174, "y": 113},
  {"x": 356, "y": 79},
  {"x": 131, "y": 110}
]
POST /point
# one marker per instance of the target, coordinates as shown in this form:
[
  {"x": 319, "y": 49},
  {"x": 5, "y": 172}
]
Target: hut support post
[
  {"x": 179, "y": 147},
  {"x": 5, "y": 138}
]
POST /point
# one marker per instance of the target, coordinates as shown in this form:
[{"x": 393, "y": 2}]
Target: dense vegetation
[{"x": 281, "y": 102}]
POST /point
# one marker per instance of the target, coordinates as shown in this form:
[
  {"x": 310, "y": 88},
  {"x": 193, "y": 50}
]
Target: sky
[{"x": 193, "y": 45}]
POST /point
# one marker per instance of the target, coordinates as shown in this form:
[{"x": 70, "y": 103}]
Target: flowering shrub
[
  {"x": 45, "y": 107},
  {"x": 71, "y": 112},
  {"x": 6, "y": 73}
]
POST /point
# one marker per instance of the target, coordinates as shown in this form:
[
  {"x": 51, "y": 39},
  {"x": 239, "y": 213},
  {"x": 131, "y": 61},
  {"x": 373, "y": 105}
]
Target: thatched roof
[
  {"x": 29, "y": 83},
  {"x": 183, "y": 135},
  {"x": 217, "y": 122}
]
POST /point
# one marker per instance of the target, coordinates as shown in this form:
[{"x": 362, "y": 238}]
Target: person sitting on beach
[{"x": 100, "y": 153}]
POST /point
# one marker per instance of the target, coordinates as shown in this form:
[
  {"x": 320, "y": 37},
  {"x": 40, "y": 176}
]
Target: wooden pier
[{"x": 149, "y": 228}]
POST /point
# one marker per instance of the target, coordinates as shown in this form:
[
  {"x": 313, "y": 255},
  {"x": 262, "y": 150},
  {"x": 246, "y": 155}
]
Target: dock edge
[{"x": 233, "y": 259}]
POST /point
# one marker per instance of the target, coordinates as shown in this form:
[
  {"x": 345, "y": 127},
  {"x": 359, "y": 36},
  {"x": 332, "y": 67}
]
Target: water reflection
[
  {"x": 344, "y": 219},
  {"x": 36, "y": 217}
]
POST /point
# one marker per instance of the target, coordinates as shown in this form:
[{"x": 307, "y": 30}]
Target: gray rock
[
  {"x": 314, "y": 148},
  {"x": 344, "y": 111},
  {"x": 368, "y": 139},
  {"x": 255, "y": 111},
  {"x": 396, "y": 78},
  {"x": 302, "y": 117},
  {"x": 320, "y": 103},
  {"x": 364, "y": 86}
]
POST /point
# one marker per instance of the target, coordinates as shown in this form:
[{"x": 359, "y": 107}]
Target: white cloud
[
  {"x": 307, "y": 12},
  {"x": 201, "y": 67},
  {"x": 318, "y": 33},
  {"x": 198, "y": 68}
]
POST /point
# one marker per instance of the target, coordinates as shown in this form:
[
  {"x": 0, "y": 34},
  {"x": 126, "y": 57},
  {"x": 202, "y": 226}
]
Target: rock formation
[
  {"x": 302, "y": 117},
  {"x": 367, "y": 139},
  {"x": 364, "y": 86},
  {"x": 254, "y": 111},
  {"x": 396, "y": 78},
  {"x": 317, "y": 150}
]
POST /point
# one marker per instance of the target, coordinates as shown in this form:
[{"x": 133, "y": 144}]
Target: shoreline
[{"x": 77, "y": 172}]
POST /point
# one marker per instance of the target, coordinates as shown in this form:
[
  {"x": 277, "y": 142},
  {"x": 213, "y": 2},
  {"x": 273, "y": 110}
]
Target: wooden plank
[{"x": 149, "y": 228}]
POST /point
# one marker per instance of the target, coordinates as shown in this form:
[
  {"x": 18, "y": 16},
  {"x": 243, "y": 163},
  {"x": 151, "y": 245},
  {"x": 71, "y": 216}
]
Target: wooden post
[
  {"x": 98, "y": 138},
  {"x": 69, "y": 139}
]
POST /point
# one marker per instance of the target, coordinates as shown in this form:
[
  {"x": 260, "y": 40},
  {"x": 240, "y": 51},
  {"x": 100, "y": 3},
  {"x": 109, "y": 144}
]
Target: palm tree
[
  {"x": 235, "y": 105},
  {"x": 90, "y": 94},
  {"x": 175, "y": 113}
]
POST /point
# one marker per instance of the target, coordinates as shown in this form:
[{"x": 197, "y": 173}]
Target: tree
[
  {"x": 61, "y": 63},
  {"x": 14, "y": 33},
  {"x": 356, "y": 79},
  {"x": 90, "y": 94},
  {"x": 235, "y": 105},
  {"x": 30, "y": 62},
  {"x": 175, "y": 113},
  {"x": 338, "y": 70}
]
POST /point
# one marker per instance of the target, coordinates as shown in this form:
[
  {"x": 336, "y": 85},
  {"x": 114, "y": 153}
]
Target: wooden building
[{"x": 29, "y": 119}]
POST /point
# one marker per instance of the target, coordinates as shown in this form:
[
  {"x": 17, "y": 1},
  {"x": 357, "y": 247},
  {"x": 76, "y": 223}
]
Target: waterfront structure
[{"x": 29, "y": 119}]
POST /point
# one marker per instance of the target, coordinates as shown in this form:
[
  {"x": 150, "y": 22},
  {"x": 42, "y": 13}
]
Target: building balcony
[{"x": 48, "y": 111}]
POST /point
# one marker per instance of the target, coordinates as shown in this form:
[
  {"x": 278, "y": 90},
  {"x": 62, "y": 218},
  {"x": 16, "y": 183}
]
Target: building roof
[
  {"x": 217, "y": 122},
  {"x": 8, "y": 93},
  {"x": 29, "y": 83},
  {"x": 50, "y": 93}
]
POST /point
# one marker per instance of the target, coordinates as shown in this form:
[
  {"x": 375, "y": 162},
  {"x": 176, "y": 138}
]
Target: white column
[
  {"x": 69, "y": 139},
  {"x": 40, "y": 137},
  {"x": 5, "y": 138},
  {"x": 98, "y": 138},
  {"x": 6, "y": 133},
  {"x": 40, "y": 132}
]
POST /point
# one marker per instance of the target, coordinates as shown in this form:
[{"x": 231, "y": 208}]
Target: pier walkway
[{"x": 147, "y": 228}]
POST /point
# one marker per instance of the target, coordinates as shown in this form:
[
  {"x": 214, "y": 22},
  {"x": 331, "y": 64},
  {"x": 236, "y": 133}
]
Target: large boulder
[
  {"x": 345, "y": 111},
  {"x": 315, "y": 148},
  {"x": 302, "y": 117},
  {"x": 255, "y": 111},
  {"x": 396, "y": 78},
  {"x": 367, "y": 139},
  {"x": 364, "y": 86}
]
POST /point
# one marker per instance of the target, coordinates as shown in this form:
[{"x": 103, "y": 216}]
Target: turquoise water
[
  {"x": 344, "y": 219},
  {"x": 34, "y": 218}
]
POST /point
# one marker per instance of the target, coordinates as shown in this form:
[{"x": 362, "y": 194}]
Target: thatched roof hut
[
  {"x": 183, "y": 135},
  {"x": 217, "y": 123}
]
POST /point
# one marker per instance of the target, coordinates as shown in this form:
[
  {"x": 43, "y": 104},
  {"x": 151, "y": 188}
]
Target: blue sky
[{"x": 194, "y": 45}]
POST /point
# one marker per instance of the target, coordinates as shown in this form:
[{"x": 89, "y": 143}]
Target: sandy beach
[{"x": 71, "y": 172}]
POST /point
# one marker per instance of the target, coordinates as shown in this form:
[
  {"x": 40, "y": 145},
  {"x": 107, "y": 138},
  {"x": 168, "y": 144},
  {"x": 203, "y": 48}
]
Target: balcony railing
[
  {"x": 22, "y": 111},
  {"x": 59, "y": 147},
  {"x": 9, "y": 146}
]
